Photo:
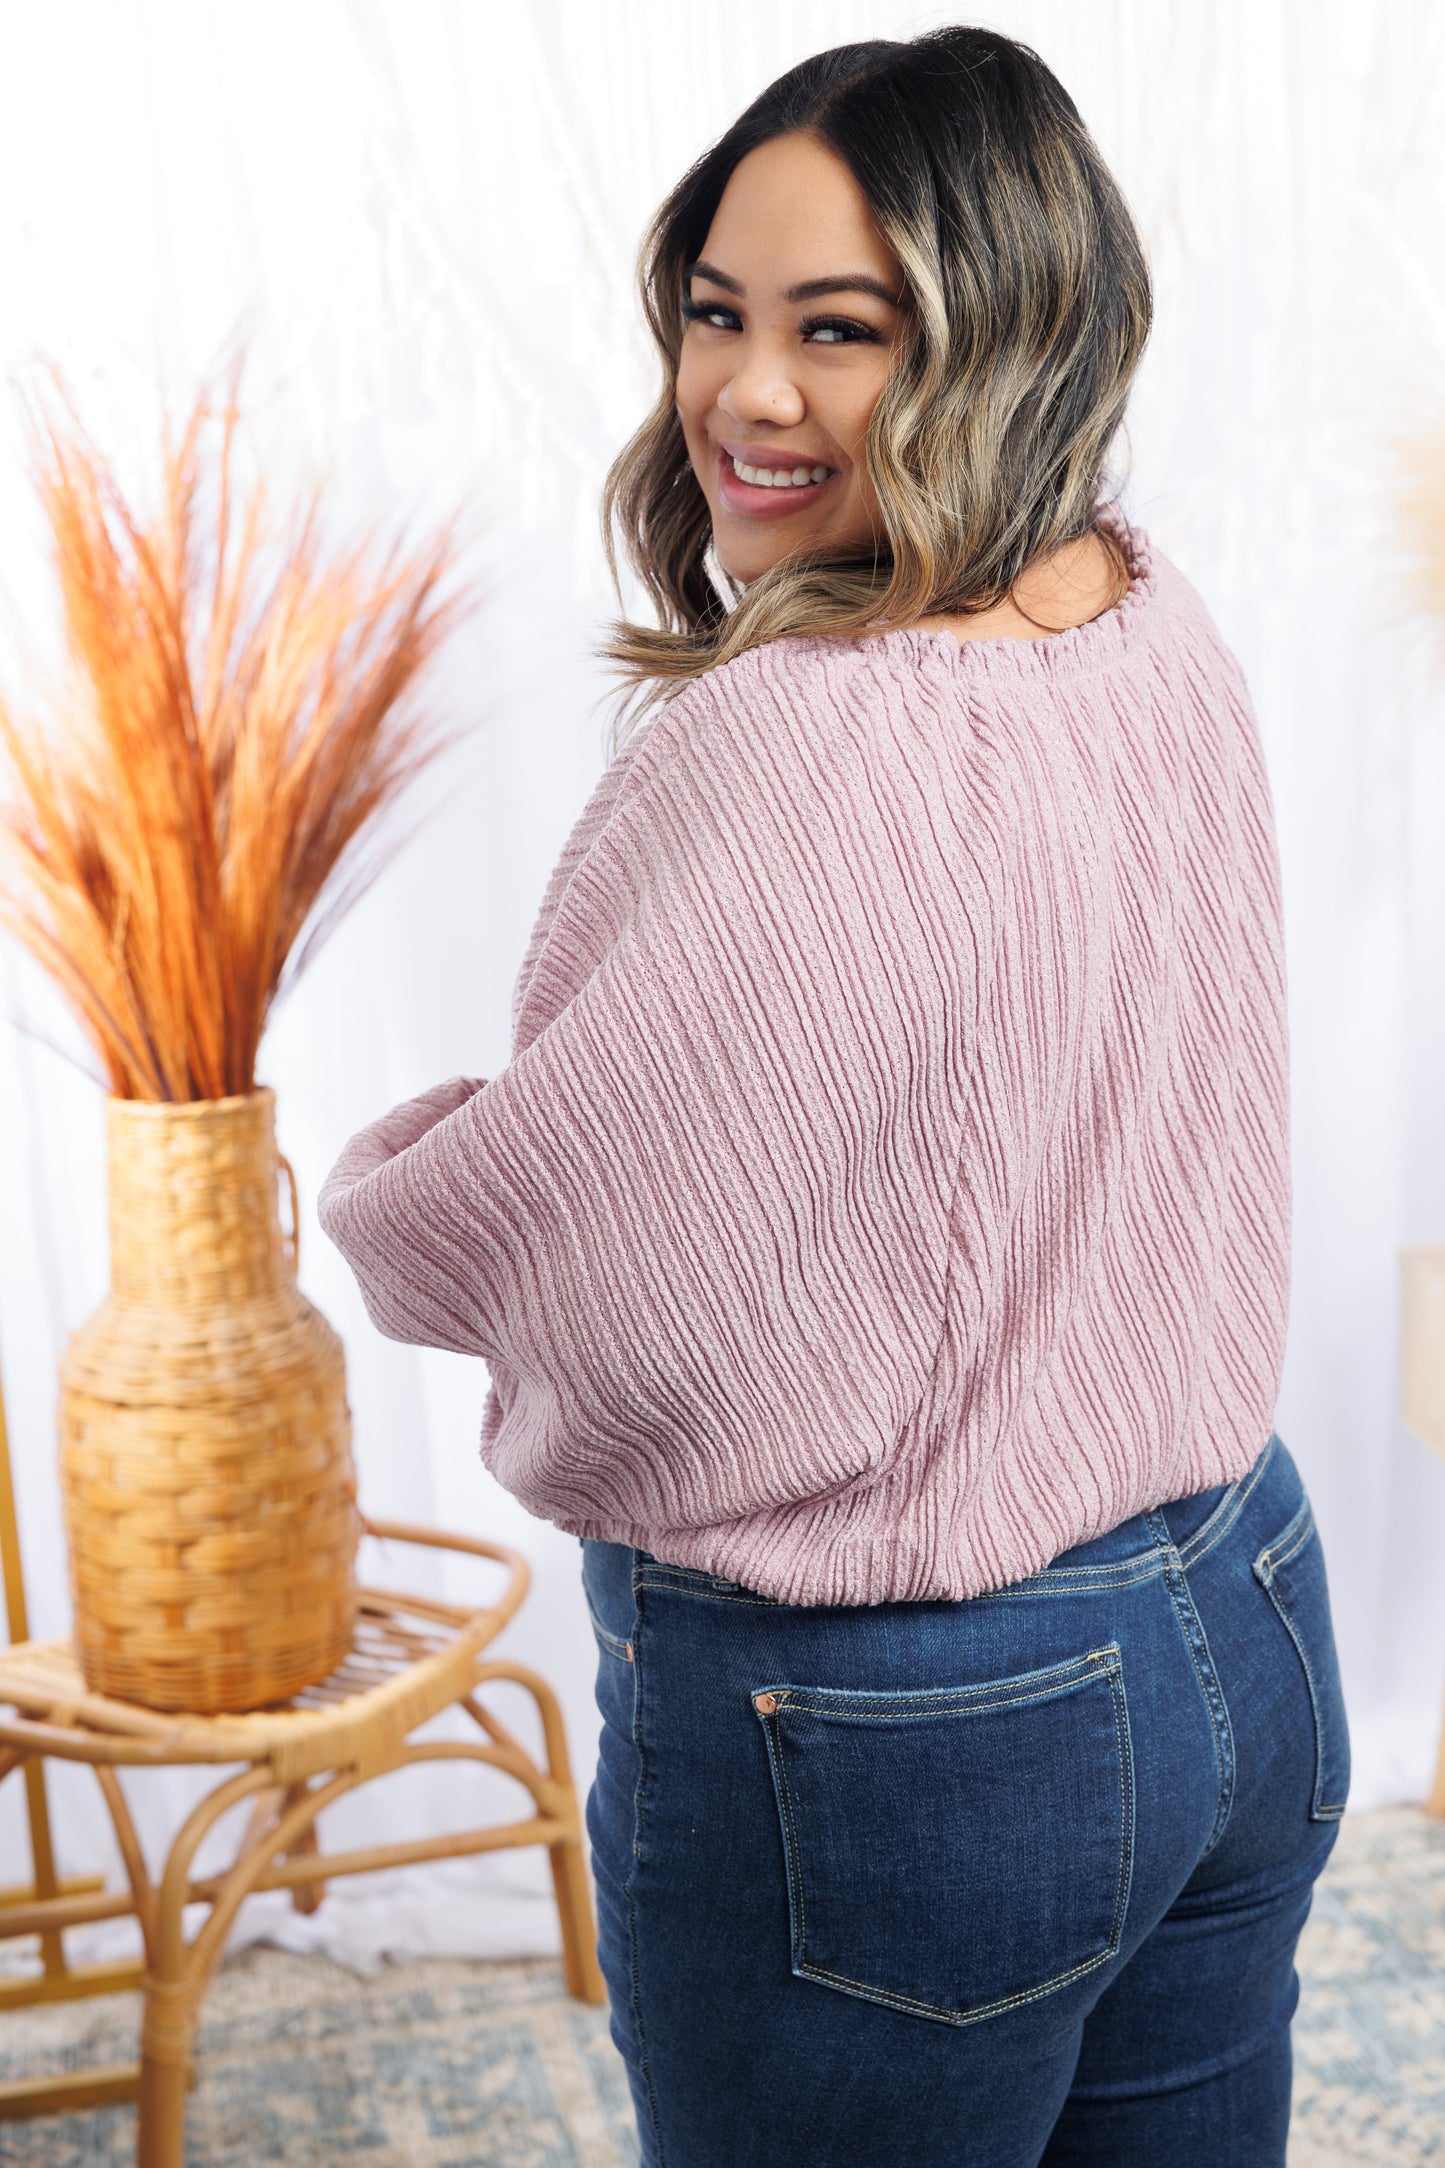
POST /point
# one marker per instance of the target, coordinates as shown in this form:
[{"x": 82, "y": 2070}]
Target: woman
[{"x": 879, "y": 1238}]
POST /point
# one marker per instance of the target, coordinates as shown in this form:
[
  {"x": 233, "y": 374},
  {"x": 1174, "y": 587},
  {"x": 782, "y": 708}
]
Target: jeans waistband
[{"x": 1136, "y": 1547}]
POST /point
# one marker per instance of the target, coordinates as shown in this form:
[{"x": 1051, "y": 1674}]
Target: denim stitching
[
  {"x": 1113, "y": 1673},
  {"x": 1075, "y": 1574},
  {"x": 1057, "y": 1580},
  {"x": 1101, "y": 1663},
  {"x": 1285, "y": 1556},
  {"x": 658, "y": 1570},
  {"x": 631, "y": 1884},
  {"x": 1228, "y": 1510},
  {"x": 612, "y": 1642},
  {"x": 1126, "y": 1799},
  {"x": 1048, "y": 1581},
  {"x": 1192, "y": 1627},
  {"x": 794, "y": 1852},
  {"x": 952, "y": 2017},
  {"x": 1142, "y": 1567},
  {"x": 959, "y": 1701},
  {"x": 1286, "y": 1546},
  {"x": 1320, "y": 1810},
  {"x": 711, "y": 1595}
]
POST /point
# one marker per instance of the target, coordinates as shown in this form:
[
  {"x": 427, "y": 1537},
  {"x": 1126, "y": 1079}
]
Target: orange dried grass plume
[{"x": 224, "y": 741}]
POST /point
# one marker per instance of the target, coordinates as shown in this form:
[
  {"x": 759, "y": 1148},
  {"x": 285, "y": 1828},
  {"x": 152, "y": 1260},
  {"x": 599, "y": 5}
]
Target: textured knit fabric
[{"x": 889, "y": 1186}]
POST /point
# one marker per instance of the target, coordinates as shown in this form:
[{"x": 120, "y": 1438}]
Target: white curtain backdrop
[{"x": 424, "y": 214}]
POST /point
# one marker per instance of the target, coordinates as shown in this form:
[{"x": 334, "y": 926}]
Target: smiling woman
[
  {"x": 894, "y": 358},
  {"x": 775, "y": 393},
  {"x": 879, "y": 1239}
]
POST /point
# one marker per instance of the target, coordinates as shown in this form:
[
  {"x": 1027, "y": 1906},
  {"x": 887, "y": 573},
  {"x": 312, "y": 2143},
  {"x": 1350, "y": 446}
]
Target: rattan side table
[{"x": 411, "y": 1658}]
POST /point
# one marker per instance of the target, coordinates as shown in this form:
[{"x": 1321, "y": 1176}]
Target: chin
[
  {"x": 745, "y": 566},
  {"x": 743, "y": 575}
]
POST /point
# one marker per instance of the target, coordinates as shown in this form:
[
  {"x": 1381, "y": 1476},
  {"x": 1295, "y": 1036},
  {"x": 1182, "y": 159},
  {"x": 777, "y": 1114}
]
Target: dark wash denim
[{"x": 973, "y": 1884}]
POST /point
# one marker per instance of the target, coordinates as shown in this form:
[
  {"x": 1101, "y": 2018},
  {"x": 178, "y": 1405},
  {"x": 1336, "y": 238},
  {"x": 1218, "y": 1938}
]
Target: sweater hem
[{"x": 845, "y": 1571}]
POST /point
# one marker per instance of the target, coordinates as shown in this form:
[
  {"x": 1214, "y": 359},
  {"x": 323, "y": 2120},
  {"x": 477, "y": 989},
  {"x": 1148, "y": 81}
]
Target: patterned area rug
[
  {"x": 1370, "y": 2031},
  {"x": 451, "y": 2065}
]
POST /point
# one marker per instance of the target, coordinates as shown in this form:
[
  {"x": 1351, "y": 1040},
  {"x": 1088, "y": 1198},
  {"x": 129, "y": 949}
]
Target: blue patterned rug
[
  {"x": 1370, "y": 2032},
  {"x": 463, "y": 2065}
]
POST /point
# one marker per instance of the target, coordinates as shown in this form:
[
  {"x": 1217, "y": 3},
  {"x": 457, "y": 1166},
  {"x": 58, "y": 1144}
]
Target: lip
[{"x": 752, "y": 500}]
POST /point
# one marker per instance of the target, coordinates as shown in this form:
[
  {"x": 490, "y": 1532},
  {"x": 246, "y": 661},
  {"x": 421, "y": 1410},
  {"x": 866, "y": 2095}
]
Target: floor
[{"x": 443, "y": 2064}]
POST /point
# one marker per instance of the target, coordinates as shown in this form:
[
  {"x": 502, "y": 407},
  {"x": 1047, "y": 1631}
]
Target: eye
[
  {"x": 709, "y": 312},
  {"x": 837, "y": 330}
]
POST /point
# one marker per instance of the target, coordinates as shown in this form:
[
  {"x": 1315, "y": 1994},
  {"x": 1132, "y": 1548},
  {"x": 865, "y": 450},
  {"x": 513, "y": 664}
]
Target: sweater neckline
[{"x": 1080, "y": 647}]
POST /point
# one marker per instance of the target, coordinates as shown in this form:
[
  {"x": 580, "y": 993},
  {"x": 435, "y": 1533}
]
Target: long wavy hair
[{"x": 1026, "y": 308}]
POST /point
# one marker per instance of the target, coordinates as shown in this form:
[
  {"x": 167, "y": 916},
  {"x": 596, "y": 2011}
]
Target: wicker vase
[{"x": 205, "y": 1440}]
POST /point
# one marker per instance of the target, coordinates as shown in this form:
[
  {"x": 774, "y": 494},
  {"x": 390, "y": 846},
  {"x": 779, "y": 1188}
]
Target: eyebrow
[{"x": 851, "y": 282}]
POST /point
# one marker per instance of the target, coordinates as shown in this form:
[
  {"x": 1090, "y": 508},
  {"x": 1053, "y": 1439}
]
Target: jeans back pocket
[
  {"x": 1291, "y": 1570},
  {"x": 954, "y": 1852}
]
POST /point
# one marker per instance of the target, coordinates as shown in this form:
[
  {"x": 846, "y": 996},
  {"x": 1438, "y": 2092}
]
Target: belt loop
[{"x": 1160, "y": 1530}]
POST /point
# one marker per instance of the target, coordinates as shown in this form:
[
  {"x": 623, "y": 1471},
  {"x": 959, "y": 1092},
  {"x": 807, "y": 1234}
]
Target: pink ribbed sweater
[{"x": 889, "y": 1187}]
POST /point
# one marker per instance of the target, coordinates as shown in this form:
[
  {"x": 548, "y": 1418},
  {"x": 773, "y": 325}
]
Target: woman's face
[{"x": 793, "y": 311}]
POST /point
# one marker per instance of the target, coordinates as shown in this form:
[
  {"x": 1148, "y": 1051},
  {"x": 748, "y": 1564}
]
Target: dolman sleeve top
[{"x": 889, "y": 1185}]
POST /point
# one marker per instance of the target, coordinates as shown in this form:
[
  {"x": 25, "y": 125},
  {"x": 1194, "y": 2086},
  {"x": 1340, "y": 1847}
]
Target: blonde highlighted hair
[{"x": 1027, "y": 307}]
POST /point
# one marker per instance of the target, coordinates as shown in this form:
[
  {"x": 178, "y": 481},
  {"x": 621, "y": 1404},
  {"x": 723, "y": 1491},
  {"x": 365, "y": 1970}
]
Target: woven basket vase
[{"x": 205, "y": 1439}]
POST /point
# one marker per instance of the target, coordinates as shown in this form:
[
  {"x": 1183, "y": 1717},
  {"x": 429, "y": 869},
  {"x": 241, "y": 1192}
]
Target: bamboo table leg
[
  {"x": 569, "y": 1871},
  {"x": 266, "y": 1810},
  {"x": 279, "y": 1849},
  {"x": 177, "y": 1976}
]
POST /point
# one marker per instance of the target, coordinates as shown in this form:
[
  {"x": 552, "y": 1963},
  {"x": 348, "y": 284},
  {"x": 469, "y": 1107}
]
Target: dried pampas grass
[{"x": 231, "y": 725}]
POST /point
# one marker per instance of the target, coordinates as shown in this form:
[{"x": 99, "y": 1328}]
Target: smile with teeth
[{"x": 779, "y": 477}]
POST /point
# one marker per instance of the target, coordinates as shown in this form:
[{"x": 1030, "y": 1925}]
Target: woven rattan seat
[{"x": 411, "y": 1657}]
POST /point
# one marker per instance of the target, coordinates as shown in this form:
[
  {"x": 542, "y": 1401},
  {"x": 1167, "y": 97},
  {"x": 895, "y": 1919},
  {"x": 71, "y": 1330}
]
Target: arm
[
  {"x": 371, "y": 1149},
  {"x": 704, "y": 1211}
]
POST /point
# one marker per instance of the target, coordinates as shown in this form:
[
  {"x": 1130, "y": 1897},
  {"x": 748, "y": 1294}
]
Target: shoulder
[
  {"x": 753, "y": 778},
  {"x": 807, "y": 774},
  {"x": 804, "y": 709},
  {"x": 1181, "y": 607}
]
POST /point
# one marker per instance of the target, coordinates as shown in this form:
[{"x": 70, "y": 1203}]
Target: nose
[{"x": 761, "y": 388}]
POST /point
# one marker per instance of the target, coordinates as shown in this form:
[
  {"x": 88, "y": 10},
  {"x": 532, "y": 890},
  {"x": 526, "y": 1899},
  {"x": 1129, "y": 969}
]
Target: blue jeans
[{"x": 971, "y": 1884}]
